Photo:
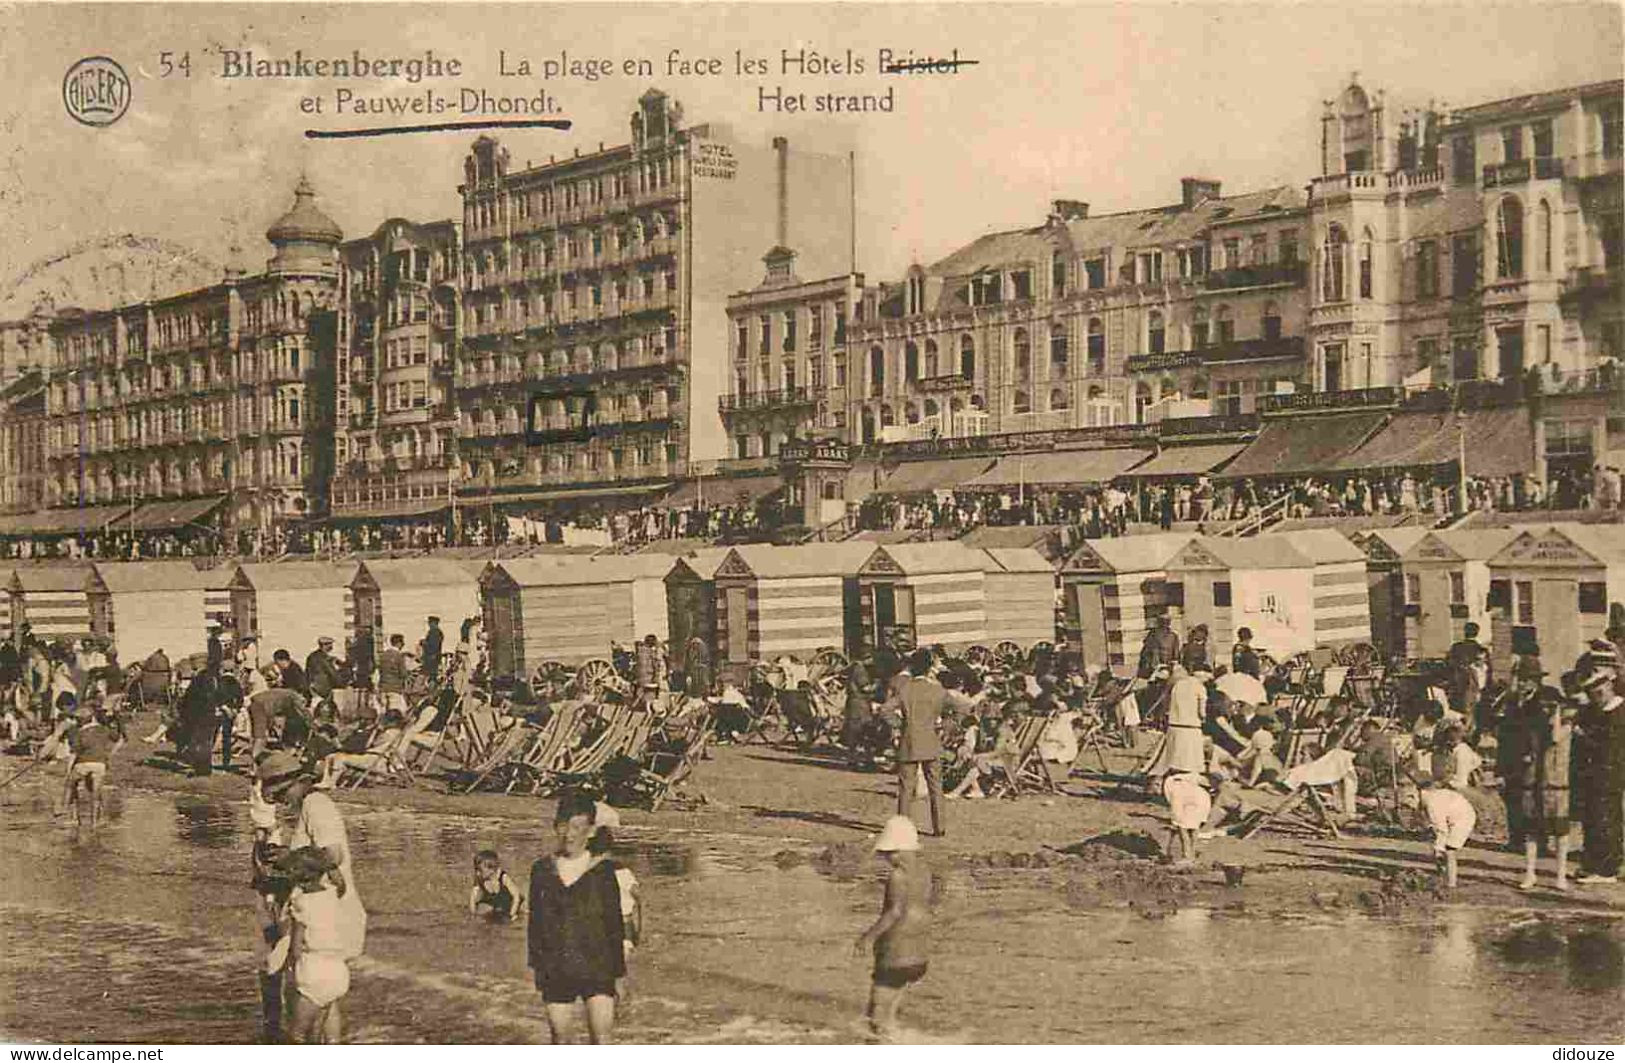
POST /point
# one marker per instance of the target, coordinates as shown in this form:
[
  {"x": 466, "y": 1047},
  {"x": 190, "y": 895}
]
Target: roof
[
  {"x": 1605, "y": 542},
  {"x": 1499, "y": 442},
  {"x": 936, "y": 474},
  {"x": 139, "y": 577},
  {"x": 808, "y": 559},
  {"x": 297, "y": 575},
  {"x": 703, "y": 563},
  {"x": 722, "y": 490},
  {"x": 1019, "y": 559},
  {"x": 62, "y": 521},
  {"x": 419, "y": 572},
  {"x": 1535, "y": 102},
  {"x": 1396, "y": 540},
  {"x": 54, "y": 576},
  {"x": 1444, "y": 215},
  {"x": 166, "y": 516},
  {"x": 1295, "y": 445},
  {"x": 1256, "y": 552},
  {"x": 1191, "y": 460},
  {"x": 1320, "y": 545},
  {"x": 304, "y": 222},
  {"x": 928, "y": 558},
  {"x": 998, "y": 250},
  {"x": 1129, "y": 553},
  {"x": 410, "y": 508},
  {"x": 575, "y": 571},
  {"x": 1058, "y": 467},
  {"x": 1465, "y": 545},
  {"x": 1008, "y": 536}
]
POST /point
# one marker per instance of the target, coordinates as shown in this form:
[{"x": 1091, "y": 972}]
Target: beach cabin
[
  {"x": 1258, "y": 583},
  {"x": 1446, "y": 579},
  {"x": 777, "y": 601},
  {"x": 691, "y": 597},
  {"x": 1020, "y": 596},
  {"x": 288, "y": 605},
  {"x": 930, "y": 593},
  {"x": 142, "y": 606},
  {"x": 1549, "y": 592},
  {"x": 52, "y": 598},
  {"x": 538, "y": 610},
  {"x": 1385, "y": 584},
  {"x": 1112, "y": 589},
  {"x": 396, "y": 596},
  {"x": 1342, "y": 602}
]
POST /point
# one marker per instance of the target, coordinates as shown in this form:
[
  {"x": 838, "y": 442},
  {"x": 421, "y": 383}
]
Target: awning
[
  {"x": 722, "y": 491},
  {"x": 421, "y": 507},
  {"x": 615, "y": 491},
  {"x": 920, "y": 477},
  {"x": 1059, "y": 468},
  {"x": 1499, "y": 442},
  {"x": 62, "y": 521},
  {"x": 169, "y": 516},
  {"x": 1295, "y": 446},
  {"x": 1190, "y": 461}
]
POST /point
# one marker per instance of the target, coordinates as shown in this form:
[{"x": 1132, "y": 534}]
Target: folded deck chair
[
  {"x": 500, "y": 755},
  {"x": 541, "y": 757},
  {"x": 587, "y": 762},
  {"x": 1304, "y": 809},
  {"x": 1028, "y": 773},
  {"x": 662, "y": 771}
]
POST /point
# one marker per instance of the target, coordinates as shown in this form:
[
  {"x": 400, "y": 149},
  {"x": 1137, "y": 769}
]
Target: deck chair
[
  {"x": 1304, "y": 809},
  {"x": 663, "y": 770},
  {"x": 393, "y": 757},
  {"x": 1092, "y": 740},
  {"x": 501, "y": 753},
  {"x": 586, "y": 763},
  {"x": 1028, "y": 774},
  {"x": 541, "y": 757},
  {"x": 1302, "y": 744},
  {"x": 478, "y": 730}
]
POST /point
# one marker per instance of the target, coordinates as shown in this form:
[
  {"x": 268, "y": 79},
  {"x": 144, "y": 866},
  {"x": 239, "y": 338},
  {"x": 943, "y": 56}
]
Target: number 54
[{"x": 168, "y": 65}]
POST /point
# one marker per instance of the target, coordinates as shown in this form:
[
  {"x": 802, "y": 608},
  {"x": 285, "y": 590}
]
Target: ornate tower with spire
[{"x": 306, "y": 240}]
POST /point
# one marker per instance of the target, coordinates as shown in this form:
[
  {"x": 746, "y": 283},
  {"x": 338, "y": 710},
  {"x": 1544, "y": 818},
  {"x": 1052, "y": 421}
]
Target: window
[
  {"x": 1228, "y": 397},
  {"x": 1524, "y": 601},
  {"x": 1057, "y": 276},
  {"x": 1427, "y": 353},
  {"x": 840, "y": 371},
  {"x": 1365, "y": 266},
  {"x": 1057, "y": 350},
  {"x": 1199, "y": 328},
  {"x": 1594, "y": 598},
  {"x": 1332, "y": 265},
  {"x": 840, "y": 325},
  {"x": 1156, "y": 333},
  {"x": 1259, "y": 253},
  {"x": 1464, "y": 357},
  {"x": 1544, "y": 216},
  {"x": 1232, "y": 252},
  {"x": 743, "y": 339},
  {"x": 815, "y": 328},
  {"x": 1287, "y": 246},
  {"x": 1512, "y": 143},
  {"x": 1227, "y": 325},
  {"x": 1221, "y": 594},
  {"x": 766, "y": 334},
  {"x": 1094, "y": 269},
  {"x": 1022, "y": 283},
  {"x": 1463, "y": 266},
  {"x": 1023, "y": 354},
  {"x": 1458, "y": 588},
  {"x": 1500, "y": 596},
  {"x": 1542, "y": 132},
  {"x": 1509, "y": 239},
  {"x": 1413, "y": 588},
  {"x": 1272, "y": 322},
  {"x": 967, "y": 357},
  {"x": 911, "y": 361},
  {"x": 789, "y": 330},
  {"x": 877, "y": 371},
  {"x": 1463, "y": 160},
  {"x": 931, "y": 360},
  {"x": 1611, "y": 130},
  {"x": 1509, "y": 350},
  {"x": 1427, "y": 270},
  {"x": 1023, "y": 402}
]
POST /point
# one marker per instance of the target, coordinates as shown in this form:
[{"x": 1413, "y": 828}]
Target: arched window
[
  {"x": 911, "y": 361},
  {"x": 1023, "y": 354},
  {"x": 931, "y": 407},
  {"x": 1226, "y": 323},
  {"x": 1332, "y": 264},
  {"x": 931, "y": 368},
  {"x": 1199, "y": 328},
  {"x": 1058, "y": 352},
  {"x": 912, "y": 413},
  {"x": 887, "y": 417},
  {"x": 967, "y": 357},
  {"x": 1058, "y": 399},
  {"x": 877, "y": 371},
  {"x": 1097, "y": 347},
  {"x": 1509, "y": 238},
  {"x": 1365, "y": 265},
  {"x": 1142, "y": 402},
  {"x": 1271, "y": 325},
  {"x": 1199, "y": 386},
  {"x": 1023, "y": 402},
  {"x": 1545, "y": 215},
  {"x": 1156, "y": 333}
]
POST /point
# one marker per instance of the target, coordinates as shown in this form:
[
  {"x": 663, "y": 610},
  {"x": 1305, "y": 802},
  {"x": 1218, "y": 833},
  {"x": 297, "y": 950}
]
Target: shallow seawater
[{"x": 140, "y": 932}]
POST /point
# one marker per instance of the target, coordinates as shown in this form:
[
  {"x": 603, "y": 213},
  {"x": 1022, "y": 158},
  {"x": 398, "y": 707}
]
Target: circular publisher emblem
[{"x": 96, "y": 91}]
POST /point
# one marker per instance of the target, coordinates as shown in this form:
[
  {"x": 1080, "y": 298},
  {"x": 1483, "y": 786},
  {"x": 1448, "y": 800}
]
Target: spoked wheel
[
  {"x": 1040, "y": 649},
  {"x": 591, "y": 675},
  {"x": 830, "y": 660},
  {"x": 980, "y": 656},
  {"x": 1007, "y": 651}
]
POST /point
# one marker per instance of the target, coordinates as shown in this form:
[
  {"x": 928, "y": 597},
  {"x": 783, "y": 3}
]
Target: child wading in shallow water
[
  {"x": 898, "y": 936},
  {"x": 494, "y": 895}
]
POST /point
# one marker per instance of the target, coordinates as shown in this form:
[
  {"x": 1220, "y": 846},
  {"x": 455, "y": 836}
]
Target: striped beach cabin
[
  {"x": 288, "y": 605},
  {"x": 778, "y": 601},
  {"x": 1549, "y": 592},
  {"x": 691, "y": 598},
  {"x": 1385, "y": 584},
  {"x": 1019, "y": 583},
  {"x": 571, "y": 610},
  {"x": 396, "y": 596},
  {"x": 932, "y": 593},
  {"x": 52, "y": 598},
  {"x": 1342, "y": 601},
  {"x": 1112, "y": 589},
  {"x": 1259, "y": 583},
  {"x": 142, "y": 606}
]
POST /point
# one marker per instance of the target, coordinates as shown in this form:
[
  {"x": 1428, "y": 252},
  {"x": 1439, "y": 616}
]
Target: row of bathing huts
[{"x": 1409, "y": 591}]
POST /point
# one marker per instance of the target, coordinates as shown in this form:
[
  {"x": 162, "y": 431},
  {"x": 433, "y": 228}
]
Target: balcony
[
  {"x": 1223, "y": 424},
  {"x": 1502, "y": 174},
  {"x": 1255, "y": 276},
  {"x": 943, "y": 382},
  {"x": 1314, "y": 401},
  {"x": 1592, "y": 282},
  {"x": 1233, "y": 351},
  {"x": 1548, "y": 169},
  {"x": 767, "y": 400}
]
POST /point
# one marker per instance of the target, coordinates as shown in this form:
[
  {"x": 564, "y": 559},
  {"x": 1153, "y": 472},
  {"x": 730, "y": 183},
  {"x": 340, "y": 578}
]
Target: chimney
[
  {"x": 1194, "y": 190},
  {"x": 782, "y": 147},
  {"x": 1069, "y": 209}
]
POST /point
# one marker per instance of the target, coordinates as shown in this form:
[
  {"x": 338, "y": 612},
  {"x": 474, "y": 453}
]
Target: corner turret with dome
[{"x": 306, "y": 240}]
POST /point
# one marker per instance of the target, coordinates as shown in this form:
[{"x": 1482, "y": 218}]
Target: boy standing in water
[{"x": 898, "y": 936}]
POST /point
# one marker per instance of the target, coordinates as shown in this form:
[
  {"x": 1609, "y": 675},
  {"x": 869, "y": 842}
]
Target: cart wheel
[
  {"x": 1007, "y": 651},
  {"x": 830, "y": 660},
  {"x": 831, "y": 686},
  {"x": 591, "y": 676},
  {"x": 978, "y": 656}
]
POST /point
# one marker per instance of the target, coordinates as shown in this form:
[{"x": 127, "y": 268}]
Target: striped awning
[
  {"x": 172, "y": 515},
  {"x": 74, "y": 521},
  {"x": 1060, "y": 468},
  {"x": 1190, "y": 461},
  {"x": 939, "y": 474}
]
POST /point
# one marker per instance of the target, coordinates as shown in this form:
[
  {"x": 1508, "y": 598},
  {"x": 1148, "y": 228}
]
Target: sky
[{"x": 1109, "y": 104}]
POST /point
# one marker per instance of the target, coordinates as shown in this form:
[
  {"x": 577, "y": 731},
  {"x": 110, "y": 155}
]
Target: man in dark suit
[{"x": 920, "y": 701}]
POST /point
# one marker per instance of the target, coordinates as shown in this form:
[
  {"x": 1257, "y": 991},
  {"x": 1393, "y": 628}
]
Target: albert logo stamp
[{"x": 96, "y": 91}]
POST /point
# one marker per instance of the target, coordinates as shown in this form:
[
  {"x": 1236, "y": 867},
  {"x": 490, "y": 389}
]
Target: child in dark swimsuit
[{"x": 494, "y": 895}]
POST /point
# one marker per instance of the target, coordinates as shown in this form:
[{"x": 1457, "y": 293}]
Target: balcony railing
[
  {"x": 1217, "y": 425},
  {"x": 1218, "y": 354},
  {"x": 1501, "y": 174},
  {"x": 1256, "y": 276},
  {"x": 764, "y": 400},
  {"x": 943, "y": 382},
  {"x": 1548, "y": 168},
  {"x": 1357, "y": 398}
]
